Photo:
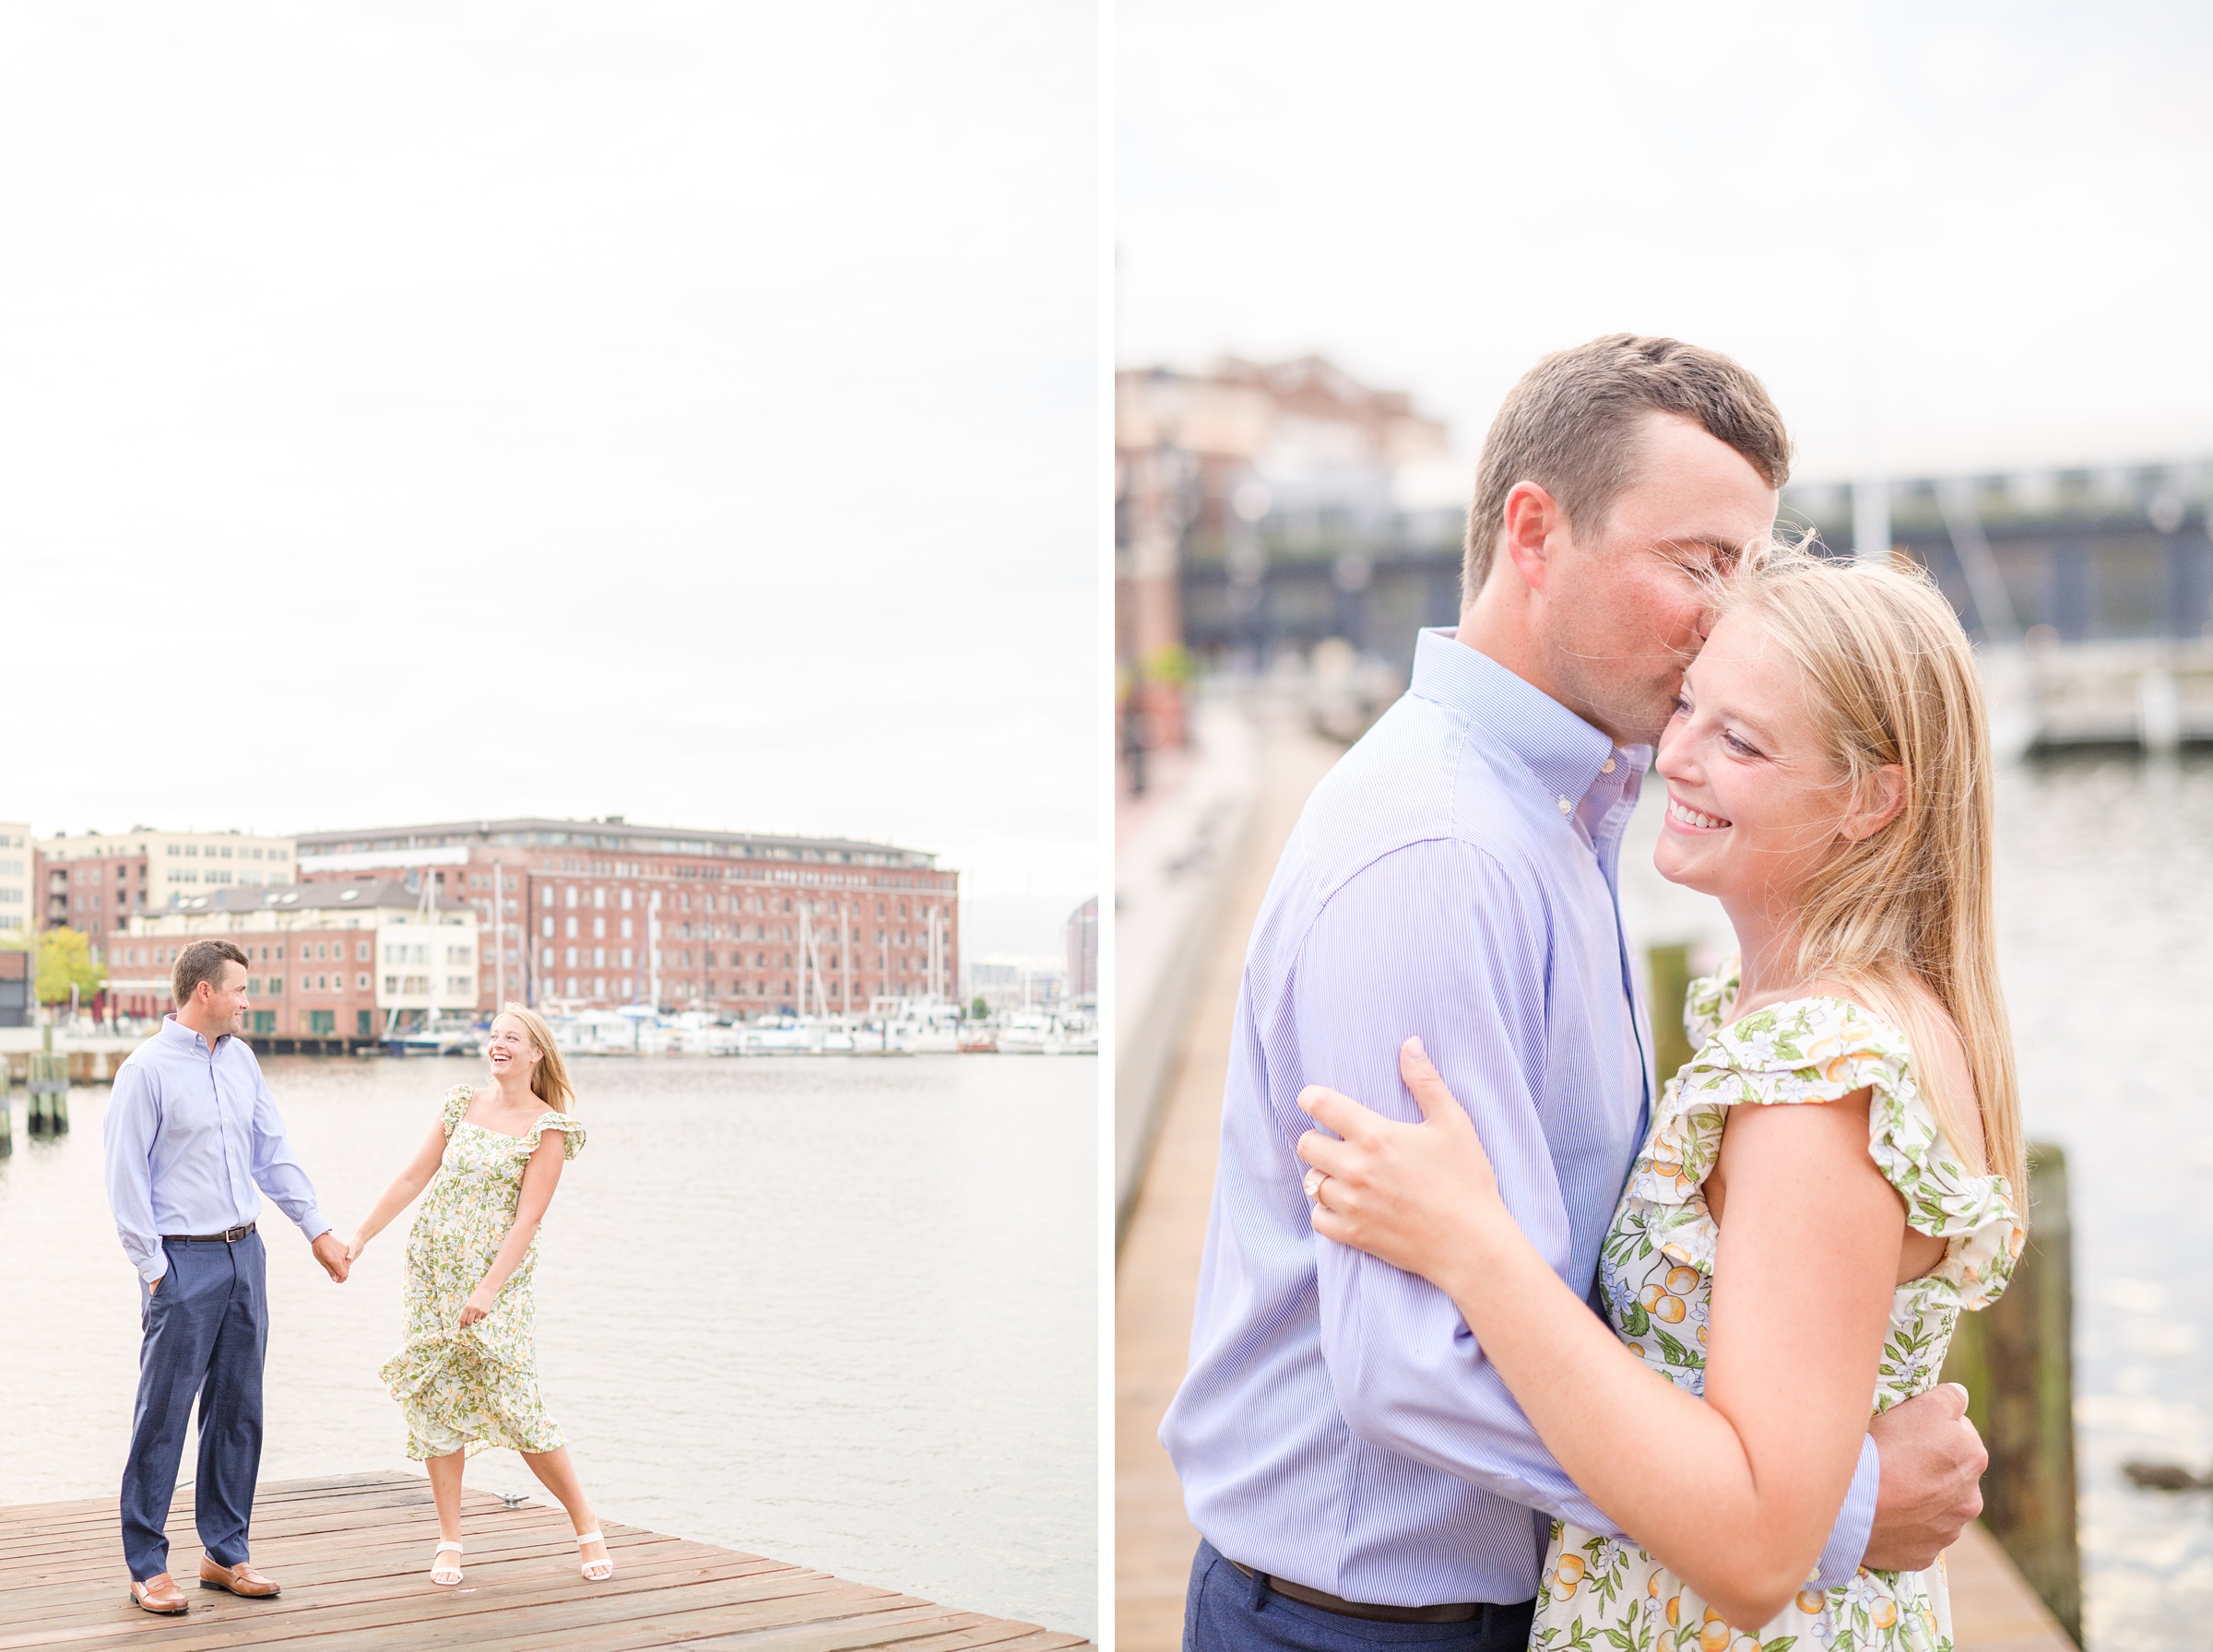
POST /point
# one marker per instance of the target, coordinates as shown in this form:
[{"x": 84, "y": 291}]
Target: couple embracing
[
  {"x": 194, "y": 1140},
  {"x": 1502, "y": 1338}
]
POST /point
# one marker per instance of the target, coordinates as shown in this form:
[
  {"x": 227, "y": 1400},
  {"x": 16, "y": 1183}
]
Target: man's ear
[
  {"x": 1881, "y": 799},
  {"x": 1527, "y": 522}
]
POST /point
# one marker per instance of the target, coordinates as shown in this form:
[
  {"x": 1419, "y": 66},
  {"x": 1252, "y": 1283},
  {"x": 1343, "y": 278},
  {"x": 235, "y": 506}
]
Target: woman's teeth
[{"x": 1691, "y": 817}]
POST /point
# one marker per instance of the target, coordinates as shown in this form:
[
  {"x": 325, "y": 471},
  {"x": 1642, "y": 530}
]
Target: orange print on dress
[{"x": 1665, "y": 1299}]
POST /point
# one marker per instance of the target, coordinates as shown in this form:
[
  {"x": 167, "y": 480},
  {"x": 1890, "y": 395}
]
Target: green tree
[
  {"x": 66, "y": 960},
  {"x": 980, "y": 1010}
]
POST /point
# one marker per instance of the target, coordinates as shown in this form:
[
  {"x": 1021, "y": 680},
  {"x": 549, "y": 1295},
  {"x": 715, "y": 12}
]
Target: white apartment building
[{"x": 16, "y": 910}]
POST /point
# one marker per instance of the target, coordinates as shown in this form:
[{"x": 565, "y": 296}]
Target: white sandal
[
  {"x": 445, "y": 1572},
  {"x": 595, "y": 1571}
]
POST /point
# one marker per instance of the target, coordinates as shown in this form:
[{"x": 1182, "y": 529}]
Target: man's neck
[
  {"x": 1495, "y": 625},
  {"x": 209, "y": 1029}
]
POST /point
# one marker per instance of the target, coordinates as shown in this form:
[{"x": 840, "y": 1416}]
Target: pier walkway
[{"x": 353, "y": 1554}]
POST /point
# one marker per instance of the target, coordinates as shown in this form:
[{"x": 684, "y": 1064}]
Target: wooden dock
[{"x": 353, "y": 1555}]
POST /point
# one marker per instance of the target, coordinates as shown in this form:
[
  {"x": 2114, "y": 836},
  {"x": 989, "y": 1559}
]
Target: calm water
[
  {"x": 840, "y": 1312},
  {"x": 2106, "y": 910}
]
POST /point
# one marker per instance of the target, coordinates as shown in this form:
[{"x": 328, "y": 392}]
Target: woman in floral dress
[
  {"x": 467, "y": 1377},
  {"x": 1824, "y": 1188}
]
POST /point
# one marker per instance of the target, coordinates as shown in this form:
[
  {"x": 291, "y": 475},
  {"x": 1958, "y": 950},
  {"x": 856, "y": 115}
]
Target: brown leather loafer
[
  {"x": 241, "y": 1580},
  {"x": 160, "y": 1595}
]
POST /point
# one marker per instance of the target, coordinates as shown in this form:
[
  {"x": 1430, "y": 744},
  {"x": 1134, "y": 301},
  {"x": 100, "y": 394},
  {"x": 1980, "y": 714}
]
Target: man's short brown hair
[
  {"x": 202, "y": 960},
  {"x": 1565, "y": 427}
]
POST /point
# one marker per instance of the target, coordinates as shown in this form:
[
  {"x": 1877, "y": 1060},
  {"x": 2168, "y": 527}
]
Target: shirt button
[
  {"x": 1566, "y": 807},
  {"x": 1606, "y": 767}
]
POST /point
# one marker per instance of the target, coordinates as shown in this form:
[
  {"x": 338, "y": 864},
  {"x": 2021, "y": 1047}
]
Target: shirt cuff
[
  {"x": 311, "y": 1223},
  {"x": 1855, "y": 1522},
  {"x": 155, "y": 1267}
]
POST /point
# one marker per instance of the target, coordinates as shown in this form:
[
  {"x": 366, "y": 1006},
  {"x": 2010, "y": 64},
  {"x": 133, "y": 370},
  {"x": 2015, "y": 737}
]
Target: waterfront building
[
  {"x": 16, "y": 913},
  {"x": 599, "y": 913},
  {"x": 1239, "y": 471},
  {"x": 328, "y": 963},
  {"x": 1007, "y": 982},
  {"x": 97, "y": 880},
  {"x": 1083, "y": 938}
]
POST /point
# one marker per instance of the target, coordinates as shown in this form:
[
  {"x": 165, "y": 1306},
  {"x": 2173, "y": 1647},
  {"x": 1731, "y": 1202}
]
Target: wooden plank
[{"x": 353, "y": 1554}]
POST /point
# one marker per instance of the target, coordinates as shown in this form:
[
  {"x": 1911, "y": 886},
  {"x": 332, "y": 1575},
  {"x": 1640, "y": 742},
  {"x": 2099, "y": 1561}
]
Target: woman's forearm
[
  {"x": 1671, "y": 1469},
  {"x": 395, "y": 1199}
]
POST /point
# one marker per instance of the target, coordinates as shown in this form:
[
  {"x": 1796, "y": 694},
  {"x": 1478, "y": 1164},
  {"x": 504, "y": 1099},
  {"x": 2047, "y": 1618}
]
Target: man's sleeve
[
  {"x": 1432, "y": 940},
  {"x": 275, "y": 1171},
  {"x": 1848, "y": 1538},
  {"x": 128, "y": 1139}
]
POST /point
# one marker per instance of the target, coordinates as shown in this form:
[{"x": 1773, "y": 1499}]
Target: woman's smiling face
[{"x": 1754, "y": 802}]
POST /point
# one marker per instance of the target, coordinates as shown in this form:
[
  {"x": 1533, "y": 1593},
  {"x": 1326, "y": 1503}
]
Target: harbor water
[
  {"x": 2105, "y": 892},
  {"x": 840, "y": 1311}
]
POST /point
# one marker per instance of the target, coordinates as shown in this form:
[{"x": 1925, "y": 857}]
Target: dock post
[
  {"x": 49, "y": 1089},
  {"x": 1667, "y": 971},
  {"x": 2016, "y": 1360}
]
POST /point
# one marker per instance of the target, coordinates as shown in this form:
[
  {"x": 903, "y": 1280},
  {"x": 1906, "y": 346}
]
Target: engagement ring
[{"x": 1315, "y": 1178}]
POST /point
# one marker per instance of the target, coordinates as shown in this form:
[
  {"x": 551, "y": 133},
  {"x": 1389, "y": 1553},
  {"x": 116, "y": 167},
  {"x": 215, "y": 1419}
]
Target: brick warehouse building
[
  {"x": 596, "y": 913},
  {"x": 329, "y": 965}
]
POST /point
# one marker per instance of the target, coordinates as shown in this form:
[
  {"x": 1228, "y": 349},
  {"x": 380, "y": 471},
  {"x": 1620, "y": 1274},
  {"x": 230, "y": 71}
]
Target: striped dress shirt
[
  {"x": 1453, "y": 877},
  {"x": 194, "y": 1139}
]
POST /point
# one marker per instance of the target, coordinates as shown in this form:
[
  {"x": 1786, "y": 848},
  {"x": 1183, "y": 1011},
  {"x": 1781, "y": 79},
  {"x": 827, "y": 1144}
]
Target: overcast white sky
[
  {"x": 1996, "y": 218},
  {"x": 681, "y": 411}
]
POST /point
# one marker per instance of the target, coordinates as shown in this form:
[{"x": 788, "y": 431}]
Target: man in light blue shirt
[
  {"x": 1346, "y": 1449},
  {"x": 193, "y": 1142}
]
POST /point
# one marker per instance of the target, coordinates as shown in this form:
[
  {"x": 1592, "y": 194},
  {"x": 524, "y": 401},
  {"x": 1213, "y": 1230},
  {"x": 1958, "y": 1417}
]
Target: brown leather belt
[
  {"x": 231, "y": 1236},
  {"x": 1459, "y": 1613}
]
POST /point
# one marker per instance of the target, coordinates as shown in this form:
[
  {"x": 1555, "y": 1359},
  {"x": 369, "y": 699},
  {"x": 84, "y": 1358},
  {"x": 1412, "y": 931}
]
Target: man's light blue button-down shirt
[
  {"x": 1453, "y": 877},
  {"x": 193, "y": 1141}
]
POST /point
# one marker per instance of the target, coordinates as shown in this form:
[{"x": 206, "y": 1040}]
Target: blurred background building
[
  {"x": 17, "y": 862},
  {"x": 1253, "y": 503}
]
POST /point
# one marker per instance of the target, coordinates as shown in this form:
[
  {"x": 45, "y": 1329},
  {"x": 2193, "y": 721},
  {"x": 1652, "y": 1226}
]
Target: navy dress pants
[
  {"x": 206, "y": 1329},
  {"x": 1228, "y": 1612}
]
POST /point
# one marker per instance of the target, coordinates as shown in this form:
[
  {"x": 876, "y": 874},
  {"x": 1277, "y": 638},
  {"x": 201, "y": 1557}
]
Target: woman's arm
[
  {"x": 1736, "y": 1493},
  {"x": 540, "y": 1177},
  {"x": 411, "y": 1180}
]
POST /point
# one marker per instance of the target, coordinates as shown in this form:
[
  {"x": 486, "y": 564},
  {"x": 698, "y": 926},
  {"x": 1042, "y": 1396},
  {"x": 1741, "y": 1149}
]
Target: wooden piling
[
  {"x": 2017, "y": 1361},
  {"x": 49, "y": 1086},
  {"x": 1668, "y": 972}
]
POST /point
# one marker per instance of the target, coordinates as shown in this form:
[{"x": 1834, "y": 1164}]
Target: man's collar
[
  {"x": 178, "y": 1033},
  {"x": 1564, "y": 753}
]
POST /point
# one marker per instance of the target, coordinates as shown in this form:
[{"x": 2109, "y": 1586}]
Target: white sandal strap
[
  {"x": 589, "y": 1536},
  {"x": 445, "y": 1543}
]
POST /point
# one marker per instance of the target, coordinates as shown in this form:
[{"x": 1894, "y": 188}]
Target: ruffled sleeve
[
  {"x": 572, "y": 1134},
  {"x": 456, "y": 1104},
  {"x": 1821, "y": 1050},
  {"x": 1704, "y": 1000}
]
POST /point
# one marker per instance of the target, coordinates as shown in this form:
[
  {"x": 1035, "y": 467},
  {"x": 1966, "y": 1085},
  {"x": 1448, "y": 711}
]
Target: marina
[{"x": 348, "y": 1550}]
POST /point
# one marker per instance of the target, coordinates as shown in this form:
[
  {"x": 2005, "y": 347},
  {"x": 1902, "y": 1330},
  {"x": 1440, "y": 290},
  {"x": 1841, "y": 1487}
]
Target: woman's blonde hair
[
  {"x": 550, "y": 1078},
  {"x": 1893, "y": 680}
]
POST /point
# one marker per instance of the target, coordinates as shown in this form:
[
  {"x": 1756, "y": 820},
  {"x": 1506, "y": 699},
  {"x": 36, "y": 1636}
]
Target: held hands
[
  {"x": 1932, "y": 1462},
  {"x": 477, "y": 1307},
  {"x": 333, "y": 1256},
  {"x": 354, "y": 1247},
  {"x": 1418, "y": 1197}
]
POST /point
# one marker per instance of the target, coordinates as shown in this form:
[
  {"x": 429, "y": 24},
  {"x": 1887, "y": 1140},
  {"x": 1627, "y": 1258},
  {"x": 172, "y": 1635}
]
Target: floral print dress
[
  {"x": 1602, "y": 1594},
  {"x": 476, "y": 1388}
]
